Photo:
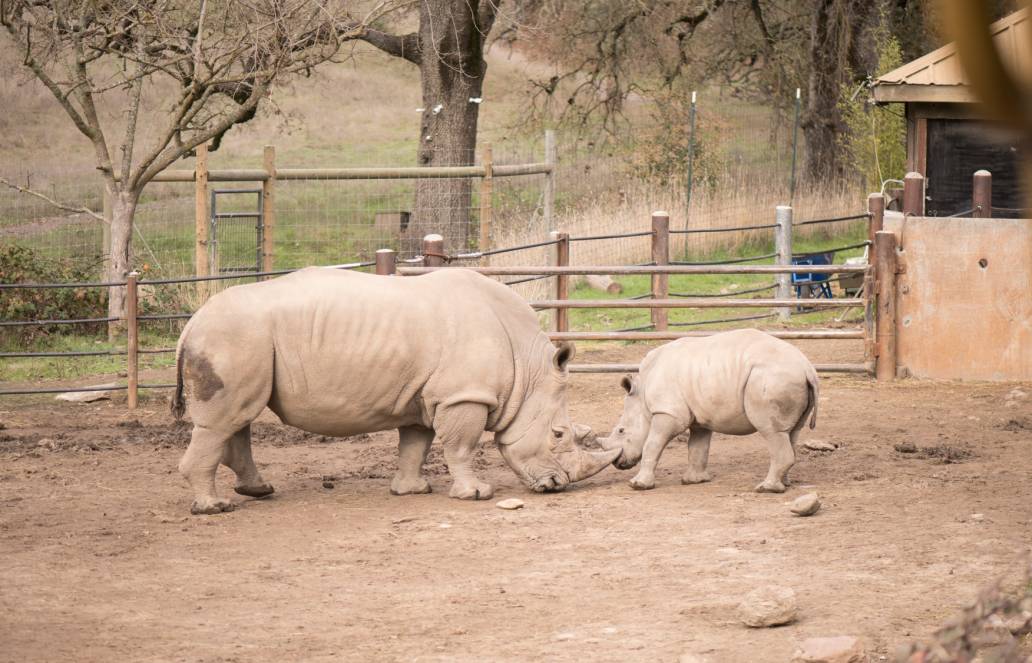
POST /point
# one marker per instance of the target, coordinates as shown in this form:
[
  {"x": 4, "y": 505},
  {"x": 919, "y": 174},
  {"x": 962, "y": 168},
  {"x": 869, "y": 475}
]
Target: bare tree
[
  {"x": 756, "y": 49},
  {"x": 448, "y": 48},
  {"x": 204, "y": 65}
]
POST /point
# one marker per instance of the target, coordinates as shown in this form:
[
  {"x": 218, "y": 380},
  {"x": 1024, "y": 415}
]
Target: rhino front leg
[
  {"x": 459, "y": 427},
  {"x": 698, "y": 457},
  {"x": 239, "y": 459},
  {"x": 413, "y": 446},
  {"x": 662, "y": 429},
  {"x": 202, "y": 458}
]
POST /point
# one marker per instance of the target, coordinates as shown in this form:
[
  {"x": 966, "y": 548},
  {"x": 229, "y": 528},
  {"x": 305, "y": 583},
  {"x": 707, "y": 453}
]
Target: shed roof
[{"x": 939, "y": 77}]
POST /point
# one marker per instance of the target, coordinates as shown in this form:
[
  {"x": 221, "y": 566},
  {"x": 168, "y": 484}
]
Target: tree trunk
[
  {"x": 123, "y": 209},
  {"x": 839, "y": 54},
  {"x": 452, "y": 68}
]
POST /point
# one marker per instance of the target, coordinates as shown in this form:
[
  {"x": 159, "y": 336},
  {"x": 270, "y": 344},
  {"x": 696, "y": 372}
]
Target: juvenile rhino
[
  {"x": 450, "y": 354},
  {"x": 736, "y": 383}
]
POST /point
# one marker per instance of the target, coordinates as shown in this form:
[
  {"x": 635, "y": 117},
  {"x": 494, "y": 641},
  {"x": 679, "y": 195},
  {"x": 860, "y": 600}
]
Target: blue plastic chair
[{"x": 817, "y": 285}]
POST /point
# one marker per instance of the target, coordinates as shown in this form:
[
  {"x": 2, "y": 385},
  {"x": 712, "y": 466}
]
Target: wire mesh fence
[{"x": 727, "y": 168}]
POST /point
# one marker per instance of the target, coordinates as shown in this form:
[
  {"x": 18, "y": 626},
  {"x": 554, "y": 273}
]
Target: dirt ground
[{"x": 101, "y": 561}]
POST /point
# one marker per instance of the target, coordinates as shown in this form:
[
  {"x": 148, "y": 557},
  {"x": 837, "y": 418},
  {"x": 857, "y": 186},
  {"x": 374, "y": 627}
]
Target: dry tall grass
[{"x": 629, "y": 209}]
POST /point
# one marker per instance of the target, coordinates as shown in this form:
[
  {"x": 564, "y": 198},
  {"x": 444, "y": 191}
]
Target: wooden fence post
[
  {"x": 660, "y": 256},
  {"x": 433, "y": 251},
  {"x": 914, "y": 194},
  {"x": 783, "y": 249},
  {"x": 876, "y": 208},
  {"x": 885, "y": 280},
  {"x": 982, "y": 194},
  {"x": 562, "y": 282},
  {"x": 548, "y": 205},
  {"x": 269, "y": 210},
  {"x": 201, "y": 221},
  {"x": 870, "y": 314},
  {"x": 386, "y": 262},
  {"x": 486, "y": 189},
  {"x": 132, "y": 368}
]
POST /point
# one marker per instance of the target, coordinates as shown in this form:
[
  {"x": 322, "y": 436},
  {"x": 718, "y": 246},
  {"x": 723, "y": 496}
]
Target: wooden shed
[{"x": 947, "y": 140}]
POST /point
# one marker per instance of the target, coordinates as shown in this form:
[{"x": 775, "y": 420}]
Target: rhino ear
[
  {"x": 563, "y": 355},
  {"x": 628, "y": 383}
]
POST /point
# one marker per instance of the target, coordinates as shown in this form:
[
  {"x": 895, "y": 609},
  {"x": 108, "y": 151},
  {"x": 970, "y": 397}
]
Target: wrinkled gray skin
[
  {"x": 446, "y": 355},
  {"x": 737, "y": 383}
]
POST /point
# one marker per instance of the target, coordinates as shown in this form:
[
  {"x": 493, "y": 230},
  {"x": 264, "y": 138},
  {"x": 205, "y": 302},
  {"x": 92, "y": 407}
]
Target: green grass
[
  {"x": 40, "y": 369},
  {"x": 696, "y": 284}
]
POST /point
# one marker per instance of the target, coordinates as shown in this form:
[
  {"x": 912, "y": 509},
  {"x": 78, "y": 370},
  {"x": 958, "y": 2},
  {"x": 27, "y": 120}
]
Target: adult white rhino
[{"x": 449, "y": 354}]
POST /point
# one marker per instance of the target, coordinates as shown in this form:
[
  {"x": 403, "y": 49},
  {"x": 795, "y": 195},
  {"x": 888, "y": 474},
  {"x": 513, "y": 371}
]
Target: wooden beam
[
  {"x": 652, "y": 269},
  {"x": 693, "y": 302},
  {"x": 670, "y": 335}
]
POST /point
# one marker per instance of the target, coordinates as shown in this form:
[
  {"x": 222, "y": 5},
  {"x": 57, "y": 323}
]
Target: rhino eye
[
  {"x": 558, "y": 434},
  {"x": 620, "y": 430}
]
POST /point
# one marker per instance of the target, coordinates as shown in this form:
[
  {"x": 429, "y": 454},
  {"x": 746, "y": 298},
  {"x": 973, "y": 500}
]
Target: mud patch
[
  {"x": 1016, "y": 425},
  {"x": 943, "y": 454},
  {"x": 200, "y": 375}
]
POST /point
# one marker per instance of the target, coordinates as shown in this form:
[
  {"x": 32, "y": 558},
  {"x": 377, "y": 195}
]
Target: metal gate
[{"x": 235, "y": 237}]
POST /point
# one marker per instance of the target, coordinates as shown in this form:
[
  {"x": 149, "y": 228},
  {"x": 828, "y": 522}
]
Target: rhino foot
[
  {"x": 261, "y": 490},
  {"x": 770, "y": 487},
  {"x": 643, "y": 483},
  {"x": 475, "y": 490},
  {"x": 692, "y": 476},
  {"x": 211, "y": 506},
  {"x": 417, "y": 486}
]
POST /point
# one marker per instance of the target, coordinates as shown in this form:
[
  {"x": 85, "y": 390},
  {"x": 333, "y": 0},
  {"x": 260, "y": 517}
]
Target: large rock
[
  {"x": 819, "y": 445},
  {"x": 598, "y": 282},
  {"x": 806, "y": 505},
  {"x": 839, "y": 649},
  {"x": 768, "y": 606},
  {"x": 87, "y": 396}
]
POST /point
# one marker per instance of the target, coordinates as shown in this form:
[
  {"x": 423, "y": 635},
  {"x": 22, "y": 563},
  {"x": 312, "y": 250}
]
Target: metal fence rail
[{"x": 433, "y": 258}]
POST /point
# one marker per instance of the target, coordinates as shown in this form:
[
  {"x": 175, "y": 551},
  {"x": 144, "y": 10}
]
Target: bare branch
[
  {"x": 66, "y": 207},
  {"x": 405, "y": 47}
]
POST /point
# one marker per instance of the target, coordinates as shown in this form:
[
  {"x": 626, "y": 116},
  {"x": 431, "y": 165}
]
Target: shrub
[{"x": 19, "y": 264}]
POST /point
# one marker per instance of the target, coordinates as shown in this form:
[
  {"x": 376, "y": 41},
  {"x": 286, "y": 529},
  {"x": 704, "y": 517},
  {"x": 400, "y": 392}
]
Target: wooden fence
[
  {"x": 877, "y": 300},
  {"x": 269, "y": 175}
]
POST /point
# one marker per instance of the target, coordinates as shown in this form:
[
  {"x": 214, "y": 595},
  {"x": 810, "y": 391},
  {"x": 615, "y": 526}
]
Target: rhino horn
[
  {"x": 607, "y": 443},
  {"x": 581, "y": 464}
]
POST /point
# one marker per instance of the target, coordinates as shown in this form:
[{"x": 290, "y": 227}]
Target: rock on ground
[
  {"x": 806, "y": 505},
  {"x": 510, "y": 504},
  {"x": 768, "y": 606},
  {"x": 839, "y": 649},
  {"x": 87, "y": 396},
  {"x": 819, "y": 445}
]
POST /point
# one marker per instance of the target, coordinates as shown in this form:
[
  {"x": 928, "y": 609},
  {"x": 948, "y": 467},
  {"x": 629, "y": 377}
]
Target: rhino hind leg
[
  {"x": 460, "y": 426},
  {"x": 239, "y": 459},
  {"x": 782, "y": 458},
  {"x": 698, "y": 457},
  {"x": 207, "y": 449},
  {"x": 662, "y": 429},
  {"x": 413, "y": 446}
]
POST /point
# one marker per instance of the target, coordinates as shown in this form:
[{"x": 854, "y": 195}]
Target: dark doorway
[{"x": 956, "y": 149}]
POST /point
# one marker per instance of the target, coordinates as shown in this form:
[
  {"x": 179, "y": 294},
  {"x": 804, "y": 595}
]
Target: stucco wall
[{"x": 956, "y": 318}]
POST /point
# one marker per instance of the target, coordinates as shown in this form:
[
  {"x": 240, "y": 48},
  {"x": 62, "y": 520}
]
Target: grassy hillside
[{"x": 361, "y": 111}]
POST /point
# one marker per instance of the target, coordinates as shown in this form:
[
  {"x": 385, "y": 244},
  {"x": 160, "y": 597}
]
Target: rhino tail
[
  {"x": 814, "y": 388},
  {"x": 178, "y": 402}
]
